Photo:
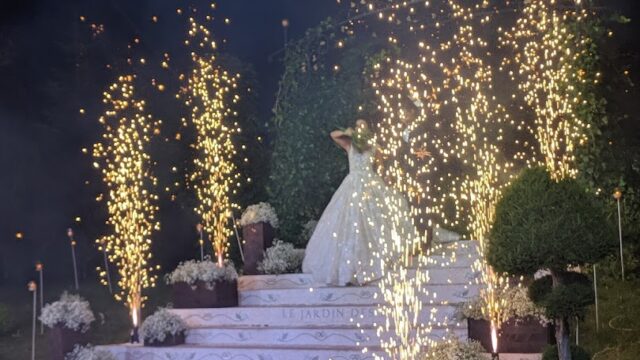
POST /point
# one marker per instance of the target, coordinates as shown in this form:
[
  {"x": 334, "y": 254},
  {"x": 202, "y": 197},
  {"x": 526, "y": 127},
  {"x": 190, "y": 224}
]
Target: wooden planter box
[
  {"x": 170, "y": 340},
  {"x": 525, "y": 336},
  {"x": 222, "y": 294},
  {"x": 257, "y": 238},
  {"x": 63, "y": 340}
]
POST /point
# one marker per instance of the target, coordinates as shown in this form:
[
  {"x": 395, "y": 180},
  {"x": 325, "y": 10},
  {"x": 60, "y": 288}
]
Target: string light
[{"x": 125, "y": 166}]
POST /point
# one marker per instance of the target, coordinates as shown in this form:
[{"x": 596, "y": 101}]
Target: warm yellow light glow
[
  {"x": 212, "y": 93},
  {"x": 125, "y": 165}
]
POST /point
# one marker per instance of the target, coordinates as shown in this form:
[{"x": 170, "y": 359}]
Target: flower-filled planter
[
  {"x": 163, "y": 328},
  {"x": 517, "y": 335},
  {"x": 68, "y": 319},
  {"x": 258, "y": 223},
  {"x": 526, "y": 331},
  {"x": 202, "y": 284},
  {"x": 89, "y": 353}
]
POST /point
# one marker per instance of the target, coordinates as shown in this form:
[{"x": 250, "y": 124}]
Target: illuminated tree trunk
[{"x": 562, "y": 327}]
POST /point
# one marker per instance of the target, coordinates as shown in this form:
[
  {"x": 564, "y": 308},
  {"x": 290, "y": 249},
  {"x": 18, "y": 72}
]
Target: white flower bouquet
[
  {"x": 71, "y": 311},
  {"x": 261, "y": 212},
  {"x": 281, "y": 258},
  {"x": 89, "y": 353},
  {"x": 516, "y": 305},
  {"x": 455, "y": 349},
  {"x": 207, "y": 271},
  {"x": 162, "y": 324}
]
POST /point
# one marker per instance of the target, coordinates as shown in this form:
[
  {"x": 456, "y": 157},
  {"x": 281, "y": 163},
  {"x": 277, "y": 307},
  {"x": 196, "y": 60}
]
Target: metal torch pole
[
  {"x": 620, "y": 236},
  {"x": 106, "y": 268},
  {"x": 40, "y": 269},
  {"x": 73, "y": 256},
  {"x": 34, "y": 289}
]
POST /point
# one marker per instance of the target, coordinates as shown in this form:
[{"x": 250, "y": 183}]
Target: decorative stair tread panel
[
  {"x": 200, "y": 352},
  {"x": 318, "y": 337},
  {"x": 438, "y": 275},
  {"x": 299, "y": 316},
  {"x": 355, "y": 295}
]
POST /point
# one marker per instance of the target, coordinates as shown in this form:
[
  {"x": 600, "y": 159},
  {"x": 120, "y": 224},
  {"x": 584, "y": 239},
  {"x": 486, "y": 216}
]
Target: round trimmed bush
[{"x": 577, "y": 353}]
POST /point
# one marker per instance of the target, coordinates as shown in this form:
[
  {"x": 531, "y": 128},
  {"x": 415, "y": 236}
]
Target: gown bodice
[{"x": 360, "y": 162}]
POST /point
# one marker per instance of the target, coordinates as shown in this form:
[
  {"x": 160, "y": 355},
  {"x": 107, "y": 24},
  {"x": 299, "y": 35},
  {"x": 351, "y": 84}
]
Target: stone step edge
[
  {"x": 220, "y": 347},
  {"x": 462, "y": 325}
]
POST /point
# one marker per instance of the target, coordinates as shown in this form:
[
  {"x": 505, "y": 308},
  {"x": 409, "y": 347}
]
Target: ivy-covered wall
[{"x": 323, "y": 88}]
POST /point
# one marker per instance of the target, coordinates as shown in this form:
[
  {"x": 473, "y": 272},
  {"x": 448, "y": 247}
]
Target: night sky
[{"x": 52, "y": 65}]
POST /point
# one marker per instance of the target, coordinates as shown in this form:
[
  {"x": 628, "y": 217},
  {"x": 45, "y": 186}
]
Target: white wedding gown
[{"x": 354, "y": 233}]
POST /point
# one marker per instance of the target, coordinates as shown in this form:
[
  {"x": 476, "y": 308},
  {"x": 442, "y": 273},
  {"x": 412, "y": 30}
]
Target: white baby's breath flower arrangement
[
  {"x": 71, "y": 312},
  {"x": 260, "y": 212},
  {"x": 89, "y": 353},
  {"x": 517, "y": 305},
  {"x": 308, "y": 229},
  {"x": 160, "y": 325},
  {"x": 281, "y": 258},
  {"x": 206, "y": 271},
  {"x": 455, "y": 349}
]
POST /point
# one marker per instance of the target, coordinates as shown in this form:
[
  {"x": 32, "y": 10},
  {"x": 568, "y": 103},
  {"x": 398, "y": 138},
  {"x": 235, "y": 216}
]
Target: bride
[{"x": 355, "y": 231}]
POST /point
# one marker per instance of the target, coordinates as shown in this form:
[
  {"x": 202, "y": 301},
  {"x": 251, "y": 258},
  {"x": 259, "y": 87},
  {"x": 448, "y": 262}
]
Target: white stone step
[
  {"x": 354, "y": 295},
  {"x": 339, "y": 316},
  {"x": 199, "y": 352},
  {"x": 319, "y": 337},
  {"x": 437, "y": 275},
  {"x": 191, "y": 352}
]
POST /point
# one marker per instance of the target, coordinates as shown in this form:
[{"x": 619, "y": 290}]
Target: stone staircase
[{"x": 288, "y": 317}]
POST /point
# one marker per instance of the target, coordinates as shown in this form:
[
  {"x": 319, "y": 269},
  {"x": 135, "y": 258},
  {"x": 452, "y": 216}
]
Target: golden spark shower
[
  {"x": 122, "y": 156},
  {"x": 212, "y": 92}
]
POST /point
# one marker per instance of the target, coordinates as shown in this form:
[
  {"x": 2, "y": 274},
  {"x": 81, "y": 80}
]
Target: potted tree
[
  {"x": 541, "y": 223},
  {"x": 68, "y": 319},
  {"x": 204, "y": 284},
  {"x": 258, "y": 223},
  {"x": 163, "y": 328}
]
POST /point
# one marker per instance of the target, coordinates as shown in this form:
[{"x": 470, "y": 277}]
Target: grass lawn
[
  {"x": 111, "y": 325},
  {"x": 619, "y": 335}
]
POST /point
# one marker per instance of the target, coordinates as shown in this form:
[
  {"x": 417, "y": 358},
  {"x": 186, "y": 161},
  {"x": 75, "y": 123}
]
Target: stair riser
[
  {"x": 437, "y": 276},
  {"x": 452, "y": 294},
  {"x": 307, "y": 337},
  {"x": 336, "y": 316},
  {"x": 124, "y": 352}
]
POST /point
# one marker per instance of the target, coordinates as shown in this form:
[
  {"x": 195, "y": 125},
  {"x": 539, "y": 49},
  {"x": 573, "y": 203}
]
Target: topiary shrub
[
  {"x": 541, "y": 223},
  {"x": 577, "y": 353}
]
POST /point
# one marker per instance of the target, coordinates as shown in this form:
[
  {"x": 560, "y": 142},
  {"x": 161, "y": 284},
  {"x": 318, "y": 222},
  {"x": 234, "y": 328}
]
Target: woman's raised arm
[{"x": 342, "y": 138}]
